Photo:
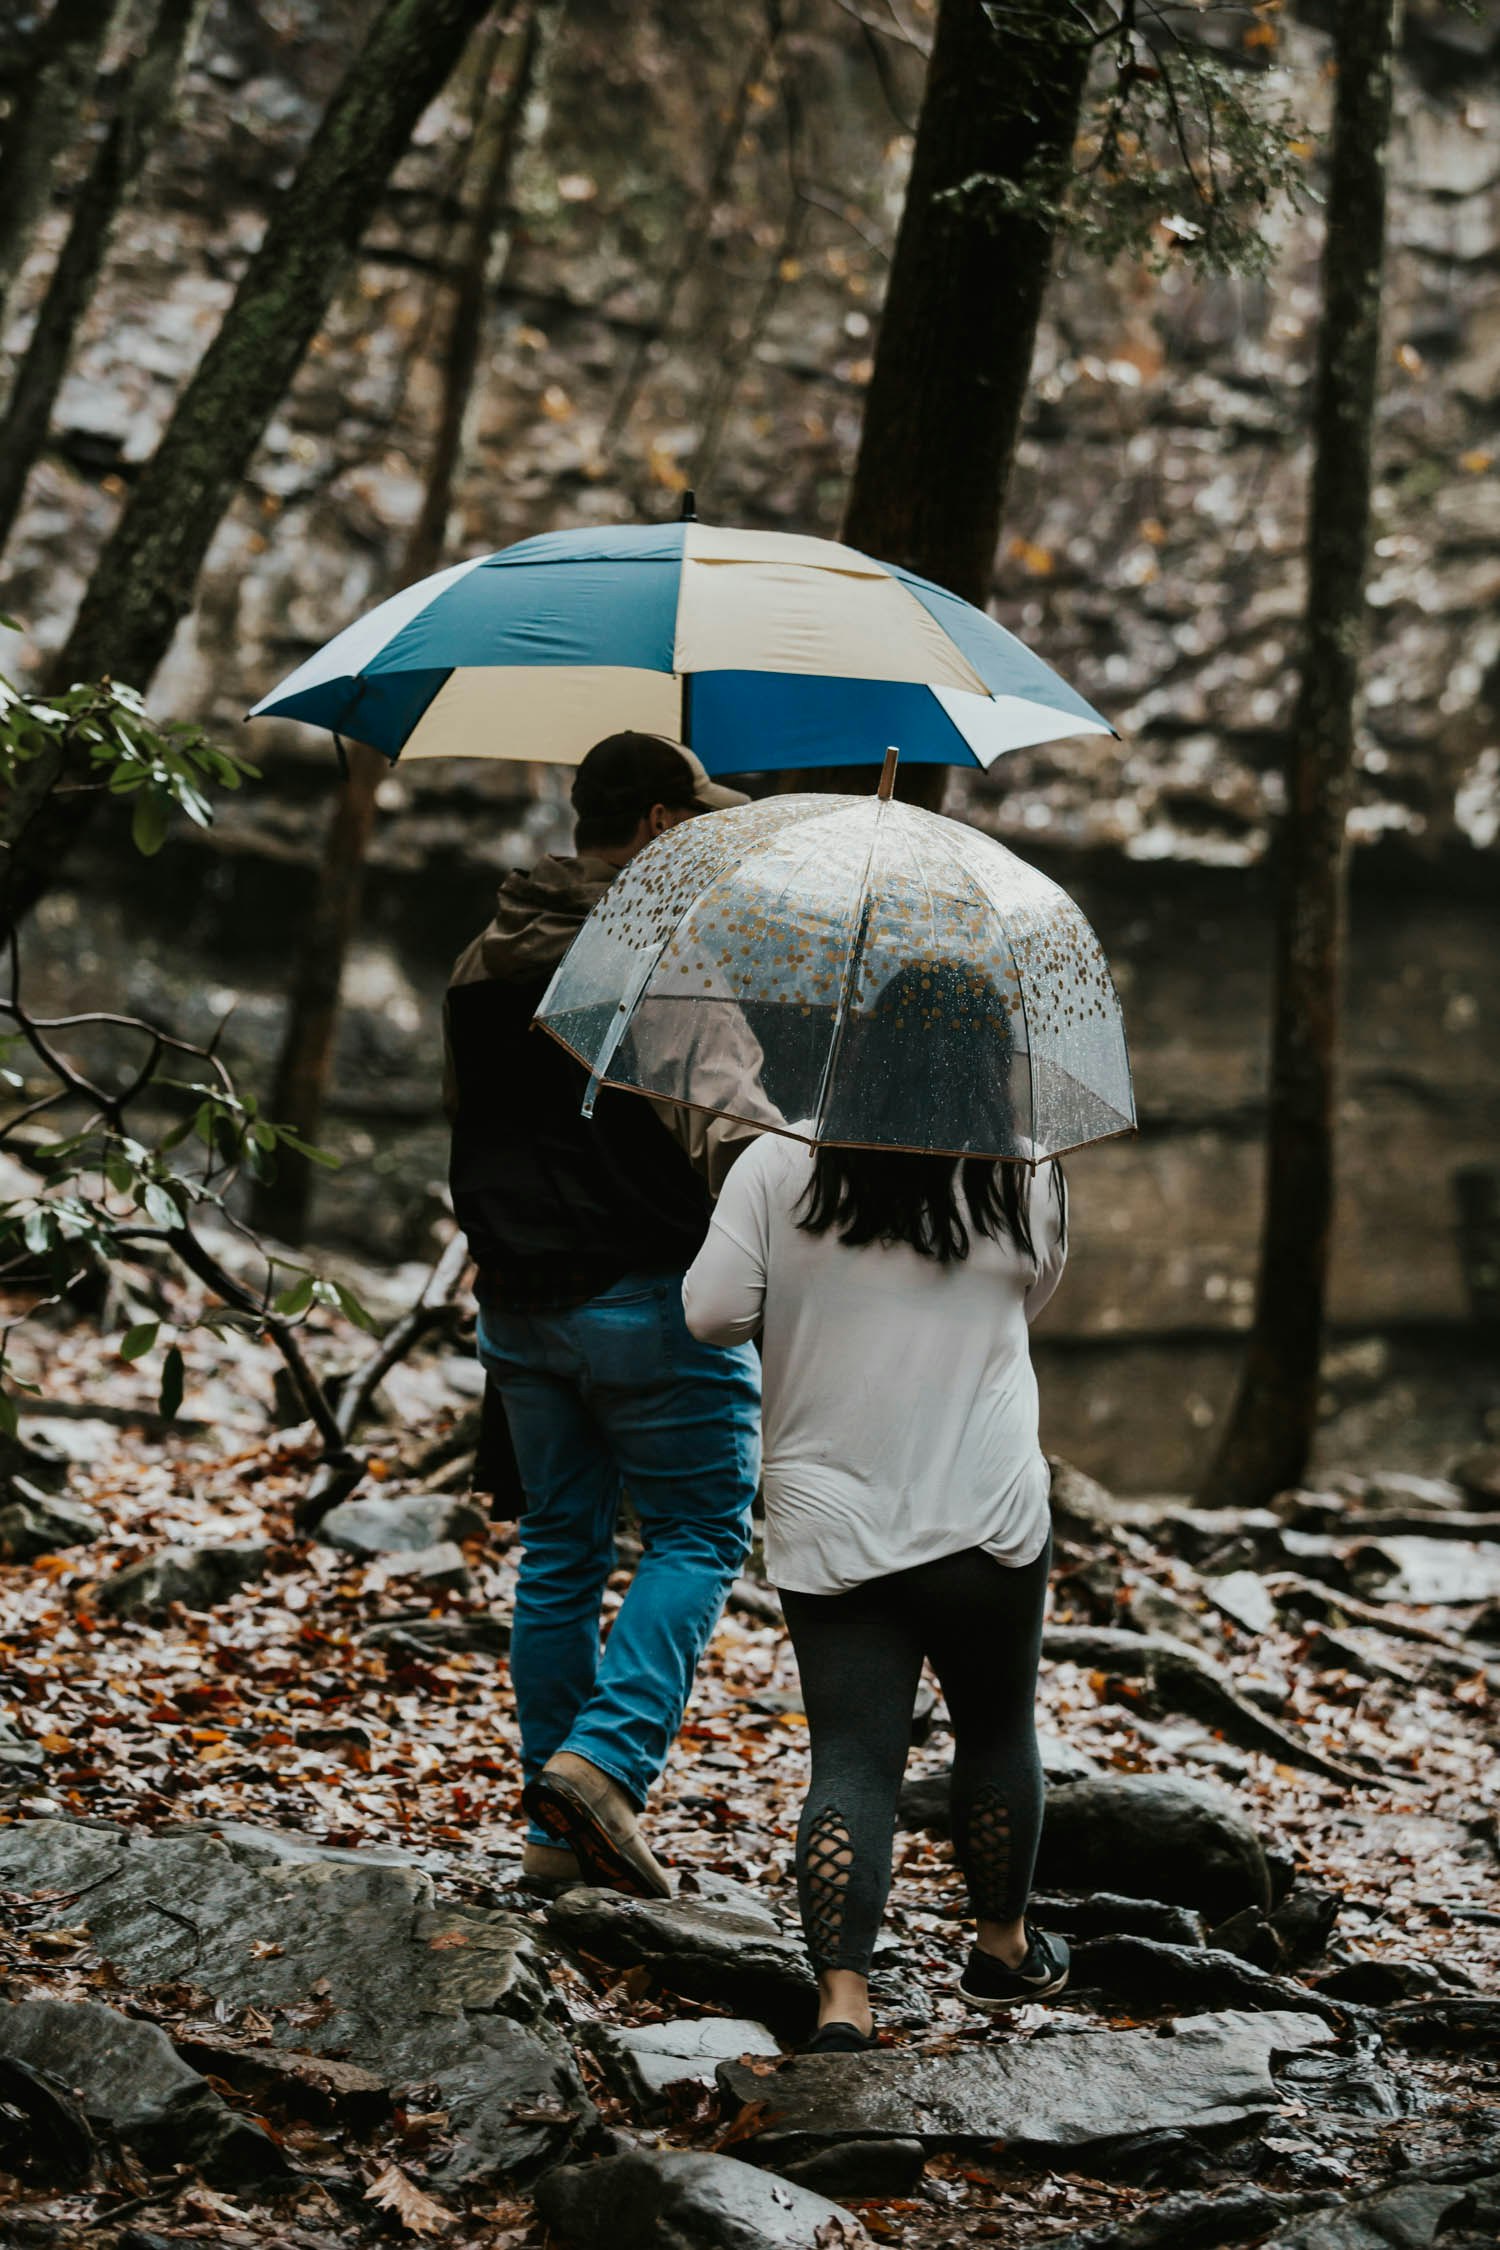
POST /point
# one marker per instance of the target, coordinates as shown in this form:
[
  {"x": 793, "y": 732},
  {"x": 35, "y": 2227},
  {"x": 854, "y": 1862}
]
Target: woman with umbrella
[
  {"x": 906, "y": 1504},
  {"x": 937, "y": 1023}
]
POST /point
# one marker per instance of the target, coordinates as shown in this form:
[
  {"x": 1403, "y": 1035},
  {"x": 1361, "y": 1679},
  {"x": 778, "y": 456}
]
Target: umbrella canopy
[
  {"x": 851, "y": 971},
  {"x": 762, "y": 649}
]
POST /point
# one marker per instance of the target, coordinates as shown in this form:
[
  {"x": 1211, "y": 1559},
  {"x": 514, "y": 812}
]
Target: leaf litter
[{"x": 276, "y": 1709}]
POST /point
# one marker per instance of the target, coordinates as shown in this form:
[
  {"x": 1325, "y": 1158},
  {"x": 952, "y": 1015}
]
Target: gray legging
[{"x": 860, "y": 1655}]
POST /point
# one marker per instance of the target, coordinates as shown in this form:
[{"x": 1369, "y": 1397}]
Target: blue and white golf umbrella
[{"x": 762, "y": 649}]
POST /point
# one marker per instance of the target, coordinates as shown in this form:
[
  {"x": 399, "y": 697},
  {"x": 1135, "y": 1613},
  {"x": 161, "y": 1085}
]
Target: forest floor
[{"x": 275, "y": 1710}]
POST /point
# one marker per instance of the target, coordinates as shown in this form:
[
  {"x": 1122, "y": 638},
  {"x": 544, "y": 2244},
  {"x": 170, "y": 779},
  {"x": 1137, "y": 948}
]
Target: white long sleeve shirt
[{"x": 900, "y": 1404}]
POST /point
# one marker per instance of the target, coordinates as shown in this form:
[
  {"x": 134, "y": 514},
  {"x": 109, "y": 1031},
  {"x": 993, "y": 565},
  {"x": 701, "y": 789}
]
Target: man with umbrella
[{"x": 581, "y": 1228}]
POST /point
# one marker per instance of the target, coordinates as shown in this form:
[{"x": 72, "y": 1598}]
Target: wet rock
[
  {"x": 1162, "y": 2159},
  {"x": 314, "y": 2086},
  {"x": 698, "y": 1948},
  {"x": 350, "y": 1954},
  {"x": 1137, "y": 1834},
  {"x": 875, "y": 2168},
  {"x": 1241, "y": 1596},
  {"x": 1380, "y": 1983},
  {"x": 1062, "y": 2092},
  {"x": 128, "y": 2082},
  {"x": 1479, "y": 1476},
  {"x": 665, "y": 2199},
  {"x": 1435, "y": 1572},
  {"x": 1107, "y": 1914},
  {"x": 1251, "y": 1936},
  {"x": 641, "y": 2061},
  {"x": 1410, "y": 2217},
  {"x": 441, "y": 1568},
  {"x": 1472, "y": 2021},
  {"x": 401, "y": 1524},
  {"x": 43, "y": 2131},
  {"x": 1194, "y": 2222},
  {"x": 427, "y": 1637},
  {"x": 19, "y": 1755},
  {"x": 1182, "y": 1841},
  {"x": 1304, "y": 1921},
  {"x": 1347, "y": 2081},
  {"x": 1150, "y": 1610},
  {"x": 1145, "y": 1974},
  {"x": 1393, "y": 1488},
  {"x": 31, "y": 1459},
  {"x": 197, "y": 1577},
  {"x": 33, "y": 1524}
]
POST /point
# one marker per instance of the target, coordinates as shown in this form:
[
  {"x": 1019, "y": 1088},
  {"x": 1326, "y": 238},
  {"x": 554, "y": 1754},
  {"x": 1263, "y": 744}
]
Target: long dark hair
[{"x": 895, "y": 1195}]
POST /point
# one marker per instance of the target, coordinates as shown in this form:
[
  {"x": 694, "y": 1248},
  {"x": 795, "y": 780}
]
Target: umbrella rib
[{"x": 851, "y": 970}]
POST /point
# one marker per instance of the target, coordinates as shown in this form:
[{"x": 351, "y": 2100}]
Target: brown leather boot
[{"x": 577, "y": 1800}]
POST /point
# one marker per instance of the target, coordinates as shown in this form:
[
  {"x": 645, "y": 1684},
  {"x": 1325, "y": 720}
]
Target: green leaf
[
  {"x": 38, "y": 1231},
  {"x": 172, "y": 1377},
  {"x": 12, "y": 1078},
  {"x": 352, "y": 1309},
  {"x": 137, "y": 1341},
  {"x": 323, "y": 1156},
  {"x": 161, "y": 1206},
  {"x": 148, "y": 824},
  {"x": 120, "y": 1175},
  {"x": 296, "y": 1299}
]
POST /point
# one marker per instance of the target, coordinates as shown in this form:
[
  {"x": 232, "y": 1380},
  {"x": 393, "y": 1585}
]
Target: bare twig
[{"x": 429, "y": 1310}]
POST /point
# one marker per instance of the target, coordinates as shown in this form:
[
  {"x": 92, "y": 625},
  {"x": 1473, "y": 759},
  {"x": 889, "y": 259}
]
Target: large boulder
[
  {"x": 667, "y": 2199},
  {"x": 402, "y": 1523},
  {"x": 347, "y": 1954},
  {"x": 33, "y": 1524},
  {"x": 1138, "y": 1834},
  {"x": 1051, "y": 2094},
  {"x": 729, "y": 1956},
  {"x": 129, "y": 2084},
  {"x": 197, "y": 1577}
]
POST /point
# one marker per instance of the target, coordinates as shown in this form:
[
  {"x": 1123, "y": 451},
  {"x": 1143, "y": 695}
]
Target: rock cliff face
[{"x": 1156, "y": 521}]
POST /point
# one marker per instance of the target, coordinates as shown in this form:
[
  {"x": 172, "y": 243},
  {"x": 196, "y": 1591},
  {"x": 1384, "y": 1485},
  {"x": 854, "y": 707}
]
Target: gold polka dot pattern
[{"x": 851, "y": 970}]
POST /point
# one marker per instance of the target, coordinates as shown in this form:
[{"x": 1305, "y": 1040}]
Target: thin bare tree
[
  {"x": 1268, "y": 1437},
  {"x": 44, "y": 115},
  {"x": 143, "y": 108},
  {"x": 304, "y": 1070},
  {"x": 968, "y": 276},
  {"x": 144, "y": 580}
]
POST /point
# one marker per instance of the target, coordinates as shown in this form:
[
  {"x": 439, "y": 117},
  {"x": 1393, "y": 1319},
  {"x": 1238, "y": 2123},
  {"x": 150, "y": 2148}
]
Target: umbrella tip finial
[
  {"x": 887, "y": 787},
  {"x": 689, "y": 508}
]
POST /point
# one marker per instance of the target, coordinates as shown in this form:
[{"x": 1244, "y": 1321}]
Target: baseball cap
[{"x": 626, "y": 774}]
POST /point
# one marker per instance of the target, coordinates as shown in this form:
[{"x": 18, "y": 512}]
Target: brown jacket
[{"x": 538, "y": 913}]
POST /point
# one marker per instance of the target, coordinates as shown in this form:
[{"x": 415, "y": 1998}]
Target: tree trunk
[
  {"x": 696, "y": 232},
  {"x": 145, "y": 577},
  {"x": 41, "y": 125},
  {"x": 953, "y": 357},
  {"x": 1269, "y": 1435},
  {"x": 145, "y": 105},
  {"x": 304, "y": 1067}
]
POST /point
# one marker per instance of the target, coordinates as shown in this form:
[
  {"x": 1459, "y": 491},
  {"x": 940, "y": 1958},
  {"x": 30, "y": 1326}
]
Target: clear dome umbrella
[{"x": 852, "y": 971}]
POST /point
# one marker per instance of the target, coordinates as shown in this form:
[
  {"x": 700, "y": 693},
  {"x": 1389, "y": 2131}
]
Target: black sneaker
[
  {"x": 988, "y": 1984},
  {"x": 840, "y": 2039}
]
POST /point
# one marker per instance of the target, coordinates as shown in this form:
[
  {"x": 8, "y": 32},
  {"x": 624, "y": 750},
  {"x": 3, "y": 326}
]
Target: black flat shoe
[
  {"x": 987, "y": 1984},
  {"x": 839, "y": 2039}
]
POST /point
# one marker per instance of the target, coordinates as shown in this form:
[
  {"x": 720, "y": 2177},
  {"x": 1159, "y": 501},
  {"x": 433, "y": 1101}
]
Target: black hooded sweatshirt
[{"x": 556, "y": 1206}]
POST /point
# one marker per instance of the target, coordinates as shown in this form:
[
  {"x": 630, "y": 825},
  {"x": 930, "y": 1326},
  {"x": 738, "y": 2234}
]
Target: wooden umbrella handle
[{"x": 887, "y": 787}]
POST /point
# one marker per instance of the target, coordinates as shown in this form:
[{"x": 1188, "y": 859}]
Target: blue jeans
[{"x": 610, "y": 1394}]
